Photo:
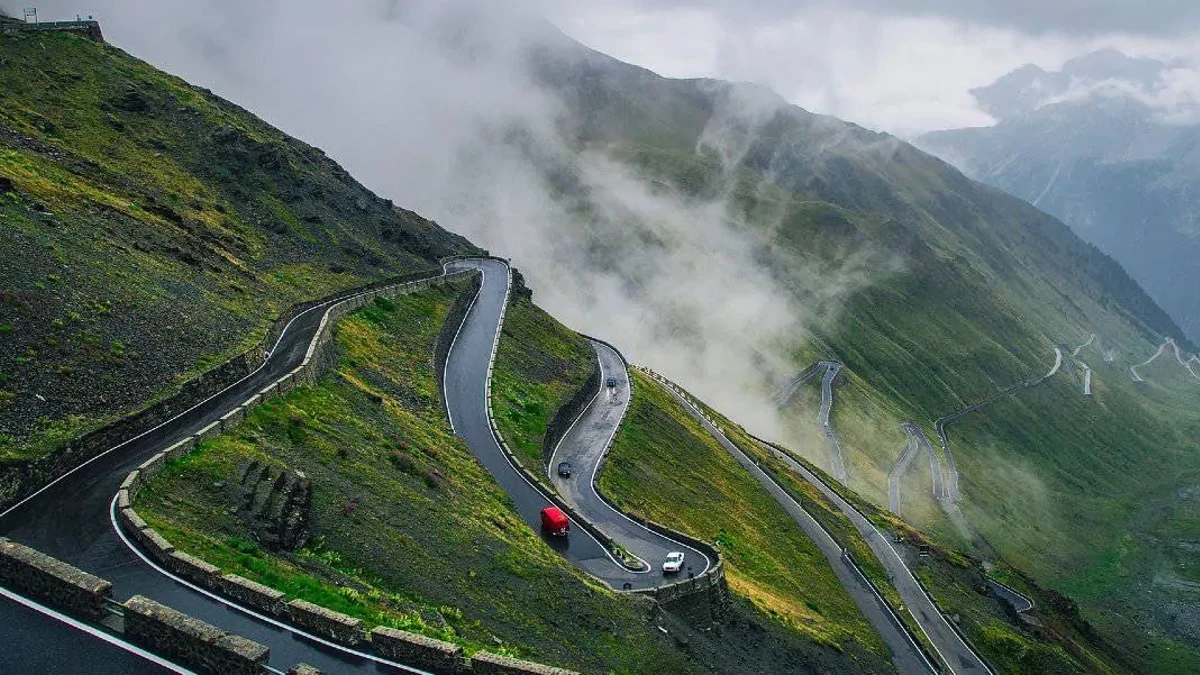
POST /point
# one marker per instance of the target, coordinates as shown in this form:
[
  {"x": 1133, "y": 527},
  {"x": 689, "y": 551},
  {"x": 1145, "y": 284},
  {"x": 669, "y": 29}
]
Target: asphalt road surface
[
  {"x": 466, "y": 398},
  {"x": 70, "y": 520},
  {"x": 906, "y": 655},
  {"x": 37, "y": 643},
  {"x": 955, "y": 653},
  {"x": 837, "y": 459},
  {"x": 899, "y": 468},
  {"x": 584, "y": 446}
]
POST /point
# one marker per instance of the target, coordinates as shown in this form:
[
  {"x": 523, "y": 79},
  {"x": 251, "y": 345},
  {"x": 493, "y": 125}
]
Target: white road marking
[{"x": 94, "y": 632}]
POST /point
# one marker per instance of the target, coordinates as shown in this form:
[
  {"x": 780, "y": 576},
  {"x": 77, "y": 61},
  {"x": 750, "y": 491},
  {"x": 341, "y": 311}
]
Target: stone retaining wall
[
  {"x": 569, "y": 412},
  {"x": 418, "y": 650},
  {"x": 189, "y": 641},
  {"x": 327, "y": 623},
  {"x": 89, "y": 29},
  {"x": 52, "y": 581},
  {"x": 486, "y": 663}
]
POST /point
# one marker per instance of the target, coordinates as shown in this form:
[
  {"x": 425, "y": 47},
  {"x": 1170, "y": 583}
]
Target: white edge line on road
[
  {"x": 326, "y": 304},
  {"x": 94, "y": 632},
  {"x": 112, "y": 516}
]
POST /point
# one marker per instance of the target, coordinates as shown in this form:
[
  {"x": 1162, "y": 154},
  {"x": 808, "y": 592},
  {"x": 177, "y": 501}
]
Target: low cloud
[{"x": 429, "y": 103}]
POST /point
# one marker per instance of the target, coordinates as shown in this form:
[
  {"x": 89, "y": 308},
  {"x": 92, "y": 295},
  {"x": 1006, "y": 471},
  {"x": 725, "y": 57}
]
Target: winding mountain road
[
  {"x": 466, "y": 380},
  {"x": 786, "y": 394},
  {"x": 72, "y": 519},
  {"x": 955, "y": 653},
  {"x": 1179, "y": 357},
  {"x": 584, "y": 446},
  {"x": 917, "y": 440},
  {"x": 906, "y": 654}
]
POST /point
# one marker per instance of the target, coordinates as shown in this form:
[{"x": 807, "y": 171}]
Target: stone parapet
[
  {"x": 190, "y": 641},
  {"x": 52, "y": 581},
  {"x": 252, "y": 594},
  {"x": 417, "y": 650},
  {"x": 327, "y": 623},
  {"x": 486, "y": 663}
]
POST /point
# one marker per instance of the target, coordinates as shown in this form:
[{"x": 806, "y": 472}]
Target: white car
[{"x": 673, "y": 563}]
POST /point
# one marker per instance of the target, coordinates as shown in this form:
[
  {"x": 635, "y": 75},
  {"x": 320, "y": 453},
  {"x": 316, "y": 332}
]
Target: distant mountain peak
[{"x": 1103, "y": 74}]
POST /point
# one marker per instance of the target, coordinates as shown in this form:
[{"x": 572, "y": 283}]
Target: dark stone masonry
[
  {"x": 52, "y": 581},
  {"x": 189, "y": 641}
]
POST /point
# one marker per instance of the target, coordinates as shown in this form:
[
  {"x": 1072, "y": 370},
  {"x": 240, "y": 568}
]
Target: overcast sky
[{"x": 902, "y": 66}]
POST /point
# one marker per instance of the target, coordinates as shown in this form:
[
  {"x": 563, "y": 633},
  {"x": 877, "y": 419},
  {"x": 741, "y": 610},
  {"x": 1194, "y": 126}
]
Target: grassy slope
[
  {"x": 158, "y": 229},
  {"x": 433, "y": 544},
  {"x": 985, "y": 286},
  {"x": 665, "y": 467},
  {"x": 539, "y": 366},
  {"x": 1065, "y": 644}
]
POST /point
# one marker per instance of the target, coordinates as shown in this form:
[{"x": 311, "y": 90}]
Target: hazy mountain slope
[
  {"x": 936, "y": 291},
  {"x": 151, "y": 228},
  {"x": 1094, "y": 145},
  {"x": 148, "y": 228}
]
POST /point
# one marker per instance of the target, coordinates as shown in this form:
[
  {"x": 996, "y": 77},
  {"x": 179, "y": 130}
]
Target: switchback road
[
  {"x": 71, "y": 519},
  {"x": 584, "y": 447},
  {"x": 467, "y": 372},
  {"x": 906, "y": 654}
]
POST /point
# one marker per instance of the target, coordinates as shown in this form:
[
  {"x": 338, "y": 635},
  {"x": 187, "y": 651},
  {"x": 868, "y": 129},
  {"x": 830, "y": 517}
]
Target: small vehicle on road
[
  {"x": 673, "y": 563},
  {"x": 611, "y": 383},
  {"x": 564, "y": 469},
  {"x": 555, "y": 522}
]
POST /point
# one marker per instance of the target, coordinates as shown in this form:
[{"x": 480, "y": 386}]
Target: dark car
[
  {"x": 611, "y": 382},
  {"x": 564, "y": 469}
]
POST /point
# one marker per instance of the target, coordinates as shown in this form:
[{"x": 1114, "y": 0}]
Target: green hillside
[
  {"x": 960, "y": 291},
  {"x": 158, "y": 229},
  {"x": 406, "y": 529}
]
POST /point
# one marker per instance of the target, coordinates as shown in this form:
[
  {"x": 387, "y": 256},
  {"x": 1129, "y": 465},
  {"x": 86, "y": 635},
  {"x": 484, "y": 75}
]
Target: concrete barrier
[
  {"x": 52, "y": 581},
  {"x": 252, "y": 594},
  {"x": 486, "y": 663},
  {"x": 417, "y": 650},
  {"x": 336, "y": 626},
  {"x": 190, "y": 641}
]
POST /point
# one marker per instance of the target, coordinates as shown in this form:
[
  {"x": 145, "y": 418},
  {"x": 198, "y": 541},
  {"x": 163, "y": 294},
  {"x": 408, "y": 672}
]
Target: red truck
[{"x": 555, "y": 522}]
